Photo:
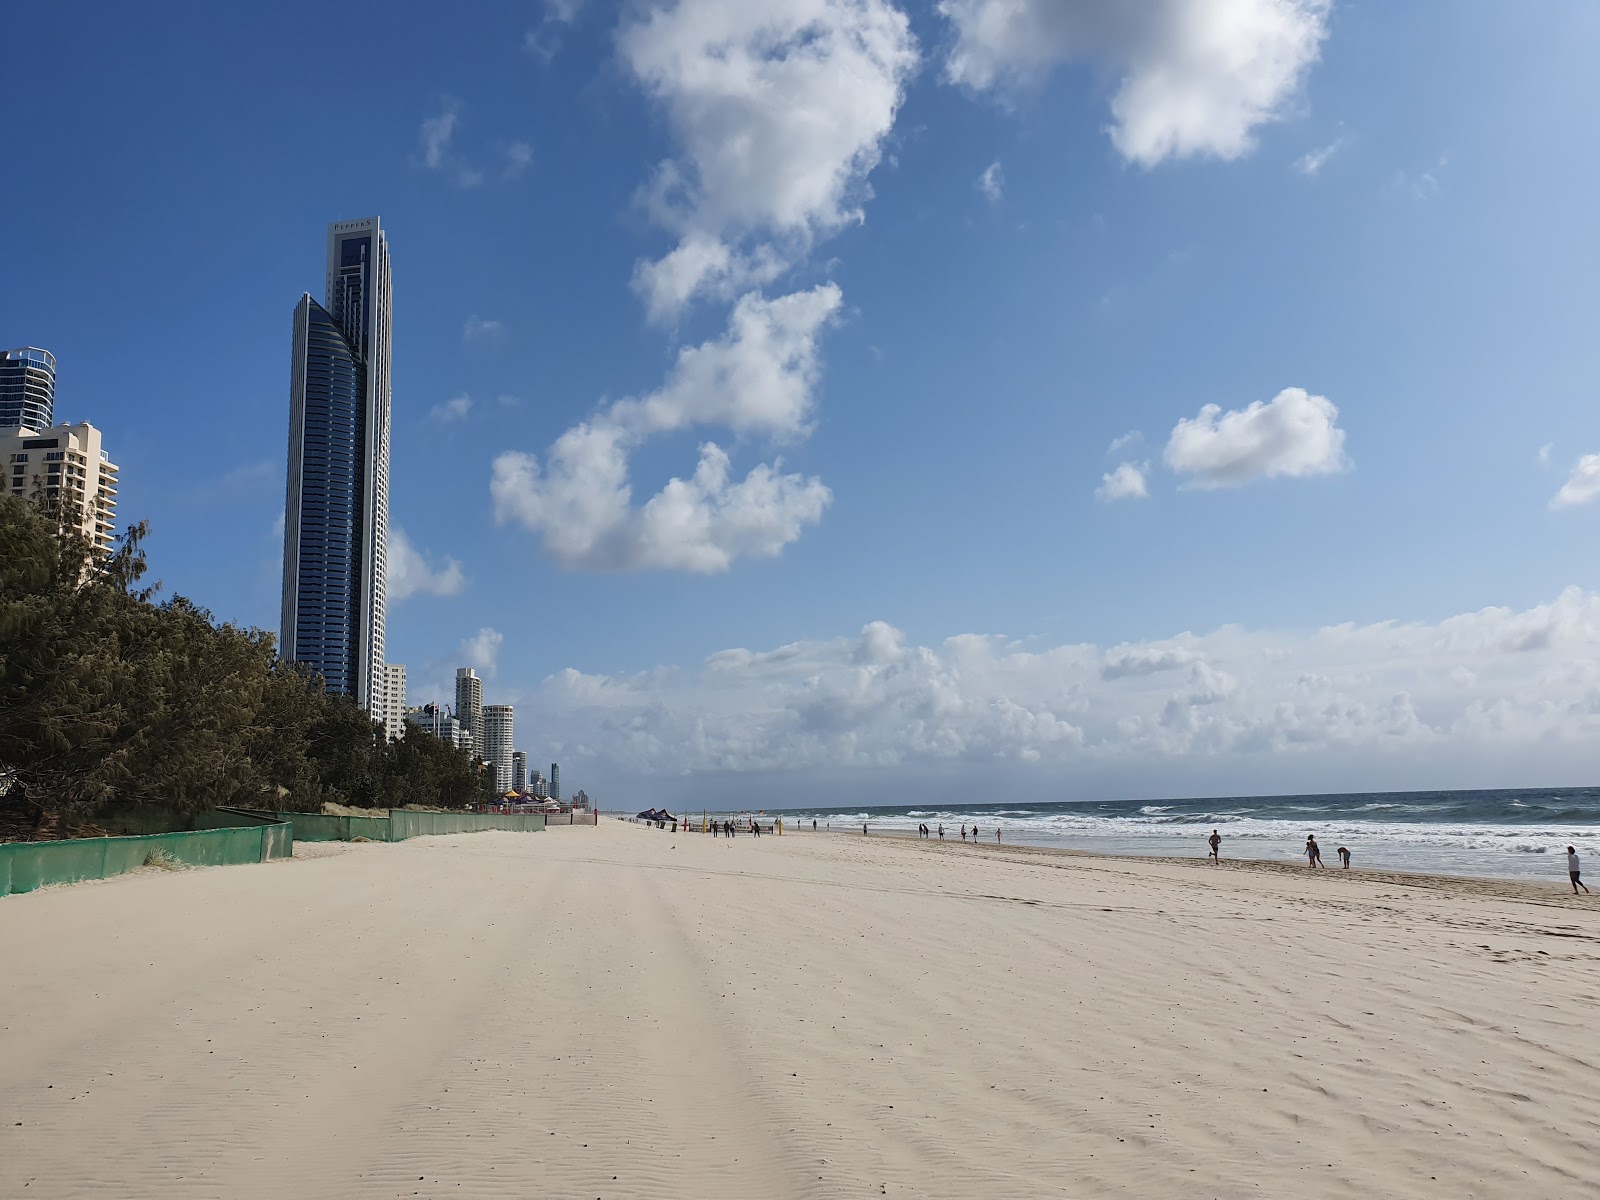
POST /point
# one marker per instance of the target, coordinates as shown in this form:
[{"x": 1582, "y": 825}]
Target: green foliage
[{"x": 108, "y": 699}]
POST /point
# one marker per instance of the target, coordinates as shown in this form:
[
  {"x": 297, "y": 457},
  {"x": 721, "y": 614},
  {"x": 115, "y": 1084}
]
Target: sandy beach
[{"x": 624, "y": 1012}]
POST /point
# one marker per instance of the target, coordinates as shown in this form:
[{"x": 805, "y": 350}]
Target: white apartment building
[
  {"x": 497, "y": 743},
  {"x": 66, "y": 465},
  {"x": 469, "y": 701},
  {"x": 391, "y": 706}
]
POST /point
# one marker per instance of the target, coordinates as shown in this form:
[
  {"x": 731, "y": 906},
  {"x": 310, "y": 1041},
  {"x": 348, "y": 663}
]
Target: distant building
[
  {"x": 336, "y": 505},
  {"x": 519, "y": 771},
  {"x": 27, "y": 388},
  {"x": 539, "y": 785},
  {"x": 66, "y": 467},
  {"x": 498, "y": 737},
  {"x": 469, "y": 701},
  {"x": 555, "y": 781},
  {"x": 580, "y": 801},
  {"x": 435, "y": 719},
  {"x": 392, "y": 711}
]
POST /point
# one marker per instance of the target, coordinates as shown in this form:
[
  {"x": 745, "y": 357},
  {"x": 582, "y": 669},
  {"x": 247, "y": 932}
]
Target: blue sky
[{"x": 940, "y": 263}]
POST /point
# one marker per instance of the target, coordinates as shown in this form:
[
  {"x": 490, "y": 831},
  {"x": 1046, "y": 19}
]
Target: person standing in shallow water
[
  {"x": 1344, "y": 858},
  {"x": 1313, "y": 852},
  {"x": 1215, "y": 842}
]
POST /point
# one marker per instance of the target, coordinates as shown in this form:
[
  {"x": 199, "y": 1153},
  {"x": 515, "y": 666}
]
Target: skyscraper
[
  {"x": 336, "y": 510},
  {"x": 27, "y": 388},
  {"x": 498, "y": 738},
  {"x": 469, "y": 702},
  {"x": 555, "y": 781},
  {"x": 519, "y": 771}
]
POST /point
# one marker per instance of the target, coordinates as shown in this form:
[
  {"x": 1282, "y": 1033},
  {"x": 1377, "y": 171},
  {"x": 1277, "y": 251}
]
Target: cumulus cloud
[
  {"x": 780, "y": 109},
  {"x": 482, "y": 330},
  {"x": 454, "y": 409},
  {"x": 757, "y": 379},
  {"x": 992, "y": 183},
  {"x": 410, "y": 574},
  {"x": 1293, "y": 434},
  {"x": 1197, "y": 77},
  {"x": 1125, "y": 483},
  {"x": 482, "y": 651},
  {"x": 1582, "y": 486},
  {"x": 1485, "y": 686}
]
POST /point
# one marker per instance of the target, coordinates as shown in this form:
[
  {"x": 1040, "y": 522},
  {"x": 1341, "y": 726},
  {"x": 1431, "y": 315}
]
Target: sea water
[{"x": 1504, "y": 834}]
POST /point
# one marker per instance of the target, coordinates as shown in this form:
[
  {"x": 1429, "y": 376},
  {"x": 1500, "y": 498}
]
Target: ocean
[{"x": 1521, "y": 834}]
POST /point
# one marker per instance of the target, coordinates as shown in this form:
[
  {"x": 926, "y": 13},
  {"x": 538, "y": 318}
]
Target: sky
[{"x": 877, "y": 400}]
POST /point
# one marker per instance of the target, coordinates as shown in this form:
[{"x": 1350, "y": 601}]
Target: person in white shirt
[{"x": 1572, "y": 871}]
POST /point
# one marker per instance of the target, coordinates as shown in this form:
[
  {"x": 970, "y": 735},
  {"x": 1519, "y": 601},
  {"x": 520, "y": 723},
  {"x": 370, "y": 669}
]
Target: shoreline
[{"x": 1505, "y": 886}]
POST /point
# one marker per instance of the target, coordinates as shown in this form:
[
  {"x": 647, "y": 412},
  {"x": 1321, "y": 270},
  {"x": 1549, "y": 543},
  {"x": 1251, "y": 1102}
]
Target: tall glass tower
[
  {"x": 27, "y": 388},
  {"x": 336, "y": 510}
]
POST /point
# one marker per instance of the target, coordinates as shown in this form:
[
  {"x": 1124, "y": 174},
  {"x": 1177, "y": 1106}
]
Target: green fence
[
  {"x": 404, "y": 824},
  {"x": 315, "y": 827},
  {"x": 25, "y": 866},
  {"x": 401, "y": 824}
]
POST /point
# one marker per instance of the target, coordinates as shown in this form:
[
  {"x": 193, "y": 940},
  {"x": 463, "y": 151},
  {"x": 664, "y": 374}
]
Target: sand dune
[{"x": 622, "y": 1012}]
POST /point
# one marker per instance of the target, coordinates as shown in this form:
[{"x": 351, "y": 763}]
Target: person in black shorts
[
  {"x": 1313, "y": 852},
  {"x": 1215, "y": 842},
  {"x": 1572, "y": 871}
]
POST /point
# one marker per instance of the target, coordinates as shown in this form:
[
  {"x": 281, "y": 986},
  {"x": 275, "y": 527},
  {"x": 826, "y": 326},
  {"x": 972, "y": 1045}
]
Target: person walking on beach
[
  {"x": 974, "y": 835},
  {"x": 1215, "y": 842},
  {"x": 941, "y": 831},
  {"x": 863, "y": 829},
  {"x": 1572, "y": 872},
  {"x": 997, "y": 835},
  {"x": 813, "y": 824},
  {"x": 1344, "y": 859},
  {"x": 963, "y": 833},
  {"x": 1313, "y": 852}
]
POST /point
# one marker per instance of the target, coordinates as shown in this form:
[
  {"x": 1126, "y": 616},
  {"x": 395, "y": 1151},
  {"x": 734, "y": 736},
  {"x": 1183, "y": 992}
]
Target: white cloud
[
  {"x": 410, "y": 575},
  {"x": 781, "y": 109},
  {"x": 1246, "y": 708},
  {"x": 1123, "y": 442},
  {"x": 1127, "y": 482},
  {"x": 454, "y": 409},
  {"x": 563, "y": 11},
  {"x": 1544, "y": 453},
  {"x": 518, "y": 157},
  {"x": 482, "y": 651},
  {"x": 1311, "y": 163},
  {"x": 436, "y": 133},
  {"x": 1197, "y": 77},
  {"x": 482, "y": 330},
  {"x": 1293, "y": 434},
  {"x": 1582, "y": 486},
  {"x": 757, "y": 379},
  {"x": 992, "y": 183}
]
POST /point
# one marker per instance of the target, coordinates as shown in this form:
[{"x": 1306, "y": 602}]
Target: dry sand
[{"x": 622, "y": 1012}]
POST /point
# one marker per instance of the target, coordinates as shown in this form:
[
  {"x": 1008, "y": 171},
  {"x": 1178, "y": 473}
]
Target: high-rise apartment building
[
  {"x": 392, "y": 711},
  {"x": 555, "y": 781},
  {"x": 439, "y": 722},
  {"x": 538, "y": 785},
  {"x": 519, "y": 771},
  {"x": 66, "y": 467},
  {"x": 498, "y": 737},
  {"x": 469, "y": 701},
  {"x": 336, "y": 509},
  {"x": 27, "y": 388}
]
